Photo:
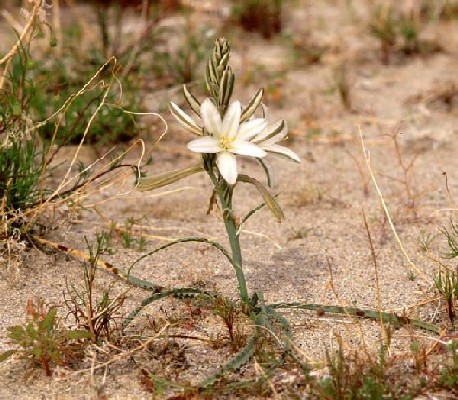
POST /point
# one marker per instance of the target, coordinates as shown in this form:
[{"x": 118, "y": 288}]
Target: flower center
[{"x": 226, "y": 142}]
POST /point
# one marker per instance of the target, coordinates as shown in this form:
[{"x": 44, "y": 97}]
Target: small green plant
[
  {"x": 383, "y": 27},
  {"x": 22, "y": 162},
  {"x": 230, "y": 313},
  {"x": 449, "y": 375},
  {"x": 351, "y": 377},
  {"x": 447, "y": 285},
  {"x": 95, "y": 315},
  {"x": 42, "y": 340},
  {"x": 446, "y": 280},
  {"x": 127, "y": 235},
  {"x": 399, "y": 31},
  {"x": 342, "y": 84}
]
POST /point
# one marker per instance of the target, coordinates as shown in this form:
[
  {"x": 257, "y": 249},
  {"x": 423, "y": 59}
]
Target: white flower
[
  {"x": 227, "y": 136},
  {"x": 267, "y": 140}
]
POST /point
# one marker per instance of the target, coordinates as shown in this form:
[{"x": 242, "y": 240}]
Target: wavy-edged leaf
[
  {"x": 252, "y": 105},
  {"x": 158, "y": 181},
  {"x": 179, "y": 292},
  {"x": 240, "y": 359},
  {"x": 184, "y": 119},
  {"x": 192, "y": 101},
  {"x": 216, "y": 245},
  {"x": 270, "y": 201}
]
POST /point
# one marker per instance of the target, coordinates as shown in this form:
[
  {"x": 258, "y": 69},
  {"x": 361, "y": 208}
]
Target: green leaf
[
  {"x": 155, "y": 182},
  {"x": 6, "y": 354},
  {"x": 50, "y": 319},
  {"x": 37, "y": 352},
  {"x": 270, "y": 200},
  {"x": 16, "y": 333},
  {"x": 76, "y": 335}
]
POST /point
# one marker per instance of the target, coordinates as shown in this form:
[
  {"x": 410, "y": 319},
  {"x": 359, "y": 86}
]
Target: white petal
[
  {"x": 284, "y": 151},
  {"x": 253, "y": 127},
  {"x": 278, "y": 137},
  {"x": 231, "y": 120},
  {"x": 270, "y": 133},
  {"x": 227, "y": 165},
  {"x": 245, "y": 148},
  {"x": 184, "y": 119},
  {"x": 207, "y": 144},
  {"x": 210, "y": 117}
]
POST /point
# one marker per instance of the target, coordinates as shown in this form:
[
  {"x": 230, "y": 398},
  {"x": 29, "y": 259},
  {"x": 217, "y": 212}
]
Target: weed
[
  {"x": 127, "y": 235},
  {"x": 383, "y": 27},
  {"x": 342, "y": 84},
  {"x": 230, "y": 314},
  {"x": 449, "y": 376},
  {"x": 446, "y": 281},
  {"x": 42, "y": 340},
  {"x": 350, "y": 377},
  {"x": 447, "y": 285},
  {"x": 399, "y": 31},
  {"x": 426, "y": 241},
  {"x": 96, "y": 316},
  {"x": 22, "y": 161}
]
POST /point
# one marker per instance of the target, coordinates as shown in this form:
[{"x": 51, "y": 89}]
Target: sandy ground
[{"x": 324, "y": 199}]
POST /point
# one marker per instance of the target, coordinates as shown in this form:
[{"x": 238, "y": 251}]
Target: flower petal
[
  {"x": 284, "y": 151},
  {"x": 252, "y": 105},
  {"x": 248, "y": 130},
  {"x": 276, "y": 131},
  {"x": 245, "y": 148},
  {"x": 276, "y": 135},
  {"x": 184, "y": 119},
  {"x": 227, "y": 165},
  {"x": 206, "y": 144},
  {"x": 210, "y": 117},
  {"x": 231, "y": 120}
]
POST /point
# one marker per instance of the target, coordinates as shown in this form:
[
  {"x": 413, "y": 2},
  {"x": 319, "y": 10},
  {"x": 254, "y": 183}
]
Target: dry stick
[
  {"x": 133, "y": 54},
  {"x": 351, "y": 317},
  {"x": 71, "y": 98},
  {"x": 57, "y": 25},
  {"x": 259, "y": 369},
  {"x": 36, "y": 9},
  {"x": 72, "y": 163},
  {"x": 127, "y": 353},
  {"x": 385, "y": 208},
  {"x": 377, "y": 286},
  {"x": 7, "y": 59}
]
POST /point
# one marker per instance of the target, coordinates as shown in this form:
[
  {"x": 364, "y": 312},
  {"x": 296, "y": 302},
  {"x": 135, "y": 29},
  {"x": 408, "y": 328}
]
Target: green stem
[{"x": 225, "y": 196}]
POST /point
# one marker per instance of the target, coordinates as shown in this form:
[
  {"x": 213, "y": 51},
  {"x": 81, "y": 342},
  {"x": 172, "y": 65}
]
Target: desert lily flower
[{"x": 225, "y": 137}]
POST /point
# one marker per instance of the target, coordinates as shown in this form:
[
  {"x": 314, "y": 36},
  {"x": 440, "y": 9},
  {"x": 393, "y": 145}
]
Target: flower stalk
[{"x": 225, "y": 192}]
